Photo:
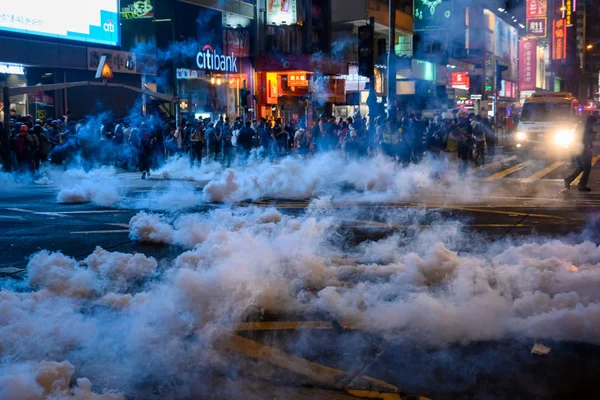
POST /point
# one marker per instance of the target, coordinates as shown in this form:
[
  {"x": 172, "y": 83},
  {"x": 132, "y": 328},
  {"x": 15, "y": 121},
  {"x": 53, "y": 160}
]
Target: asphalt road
[{"x": 518, "y": 199}]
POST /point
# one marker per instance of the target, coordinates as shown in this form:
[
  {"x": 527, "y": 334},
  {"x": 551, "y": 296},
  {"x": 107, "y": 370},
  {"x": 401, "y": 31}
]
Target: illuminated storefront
[{"x": 299, "y": 86}]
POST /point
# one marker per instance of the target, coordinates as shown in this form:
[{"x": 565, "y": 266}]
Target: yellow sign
[
  {"x": 298, "y": 79},
  {"x": 106, "y": 71},
  {"x": 103, "y": 70}
]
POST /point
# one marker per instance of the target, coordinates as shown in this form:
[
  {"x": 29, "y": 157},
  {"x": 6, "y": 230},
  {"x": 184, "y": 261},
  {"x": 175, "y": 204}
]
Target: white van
[{"x": 548, "y": 125}]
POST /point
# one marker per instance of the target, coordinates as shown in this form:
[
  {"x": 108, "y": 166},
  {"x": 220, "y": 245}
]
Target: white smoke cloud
[
  {"x": 46, "y": 380},
  {"x": 108, "y": 313},
  {"x": 99, "y": 186}
]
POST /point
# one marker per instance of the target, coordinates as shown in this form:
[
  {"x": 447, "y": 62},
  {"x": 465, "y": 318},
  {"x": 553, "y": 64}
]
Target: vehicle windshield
[{"x": 546, "y": 112}]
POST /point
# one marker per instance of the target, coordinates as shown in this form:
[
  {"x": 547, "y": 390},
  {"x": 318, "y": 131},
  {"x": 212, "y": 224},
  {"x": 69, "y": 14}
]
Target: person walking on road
[{"x": 584, "y": 159}]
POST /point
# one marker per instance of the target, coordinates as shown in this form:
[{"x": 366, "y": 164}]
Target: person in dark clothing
[
  {"x": 584, "y": 159},
  {"x": 264, "y": 137},
  {"x": 187, "y": 134},
  {"x": 226, "y": 145},
  {"x": 465, "y": 144},
  {"x": 213, "y": 135},
  {"x": 418, "y": 128},
  {"x": 145, "y": 147},
  {"x": 197, "y": 140},
  {"x": 43, "y": 148},
  {"x": 245, "y": 139},
  {"x": 316, "y": 132},
  {"x": 279, "y": 137},
  {"x": 490, "y": 137},
  {"x": 24, "y": 147}
]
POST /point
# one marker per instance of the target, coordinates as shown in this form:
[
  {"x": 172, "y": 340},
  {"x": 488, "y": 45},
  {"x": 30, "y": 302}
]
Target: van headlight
[
  {"x": 564, "y": 138},
  {"x": 521, "y": 136}
]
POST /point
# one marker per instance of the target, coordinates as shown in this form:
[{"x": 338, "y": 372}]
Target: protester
[{"x": 584, "y": 159}]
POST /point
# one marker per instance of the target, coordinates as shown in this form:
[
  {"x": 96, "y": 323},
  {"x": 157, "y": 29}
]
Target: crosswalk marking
[
  {"x": 492, "y": 164},
  {"x": 543, "y": 172},
  {"x": 508, "y": 171},
  {"x": 578, "y": 179}
]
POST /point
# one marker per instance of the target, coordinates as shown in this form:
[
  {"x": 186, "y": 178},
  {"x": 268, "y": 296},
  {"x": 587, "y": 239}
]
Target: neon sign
[{"x": 209, "y": 59}]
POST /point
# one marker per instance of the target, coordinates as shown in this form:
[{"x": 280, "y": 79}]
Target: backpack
[{"x": 23, "y": 146}]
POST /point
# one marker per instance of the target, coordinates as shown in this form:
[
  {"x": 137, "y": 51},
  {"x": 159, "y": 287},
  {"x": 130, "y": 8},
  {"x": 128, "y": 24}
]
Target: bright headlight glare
[
  {"x": 521, "y": 136},
  {"x": 564, "y": 138}
]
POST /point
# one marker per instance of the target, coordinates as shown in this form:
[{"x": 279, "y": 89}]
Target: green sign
[
  {"x": 432, "y": 14},
  {"x": 488, "y": 88},
  {"x": 556, "y": 85}
]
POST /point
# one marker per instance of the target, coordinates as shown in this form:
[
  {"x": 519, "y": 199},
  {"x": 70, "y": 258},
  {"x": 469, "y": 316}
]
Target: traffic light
[
  {"x": 366, "y": 50},
  {"x": 499, "y": 69},
  {"x": 244, "y": 97}
]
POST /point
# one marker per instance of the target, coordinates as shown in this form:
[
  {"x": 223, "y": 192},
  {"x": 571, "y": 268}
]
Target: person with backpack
[
  {"x": 465, "y": 143},
  {"x": 302, "y": 141},
  {"x": 478, "y": 140},
  {"x": 226, "y": 144},
  {"x": 24, "y": 148},
  {"x": 42, "y": 149},
  {"x": 197, "y": 140},
  {"x": 245, "y": 140}
]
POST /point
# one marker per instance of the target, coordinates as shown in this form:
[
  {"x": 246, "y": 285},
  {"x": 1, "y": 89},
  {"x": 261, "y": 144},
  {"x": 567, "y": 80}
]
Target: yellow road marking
[
  {"x": 507, "y": 171},
  {"x": 543, "y": 172},
  {"x": 515, "y": 213},
  {"x": 368, "y": 394},
  {"x": 282, "y": 325},
  {"x": 316, "y": 372},
  {"x": 492, "y": 164},
  {"x": 578, "y": 179}
]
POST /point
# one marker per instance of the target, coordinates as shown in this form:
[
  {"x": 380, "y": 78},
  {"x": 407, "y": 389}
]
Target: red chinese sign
[
  {"x": 460, "y": 80},
  {"x": 537, "y": 11},
  {"x": 527, "y": 64},
  {"x": 559, "y": 43},
  {"x": 536, "y": 27},
  {"x": 537, "y": 8}
]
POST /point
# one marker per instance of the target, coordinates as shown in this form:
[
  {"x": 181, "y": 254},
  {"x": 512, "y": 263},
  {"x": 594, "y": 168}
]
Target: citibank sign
[{"x": 208, "y": 59}]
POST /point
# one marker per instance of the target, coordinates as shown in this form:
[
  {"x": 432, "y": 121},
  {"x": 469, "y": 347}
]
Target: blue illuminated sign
[{"x": 90, "y": 21}]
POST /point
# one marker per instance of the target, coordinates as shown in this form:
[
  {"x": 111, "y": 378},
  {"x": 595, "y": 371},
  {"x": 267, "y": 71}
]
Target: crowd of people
[{"x": 145, "y": 143}]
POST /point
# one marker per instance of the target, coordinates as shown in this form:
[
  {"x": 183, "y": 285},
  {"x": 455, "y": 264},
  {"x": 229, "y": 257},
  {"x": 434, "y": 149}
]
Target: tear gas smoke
[
  {"x": 46, "y": 380},
  {"x": 112, "y": 313},
  {"x": 99, "y": 186}
]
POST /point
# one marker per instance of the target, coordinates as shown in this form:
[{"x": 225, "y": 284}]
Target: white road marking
[
  {"x": 93, "y": 212},
  {"x": 104, "y": 231},
  {"x": 53, "y": 214}
]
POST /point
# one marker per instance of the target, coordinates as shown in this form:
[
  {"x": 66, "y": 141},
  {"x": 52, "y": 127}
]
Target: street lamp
[{"x": 589, "y": 46}]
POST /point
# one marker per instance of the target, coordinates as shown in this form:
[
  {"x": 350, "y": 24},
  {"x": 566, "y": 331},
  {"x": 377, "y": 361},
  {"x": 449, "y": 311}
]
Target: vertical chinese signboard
[
  {"x": 568, "y": 12},
  {"x": 527, "y": 64},
  {"x": 537, "y": 12},
  {"x": 559, "y": 44}
]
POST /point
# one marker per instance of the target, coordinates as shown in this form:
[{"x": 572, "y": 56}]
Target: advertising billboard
[
  {"x": 537, "y": 8},
  {"x": 433, "y": 14},
  {"x": 137, "y": 9},
  {"x": 536, "y": 19},
  {"x": 89, "y": 21},
  {"x": 281, "y": 12},
  {"x": 460, "y": 80},
  {"x": 527, "y": 64}
]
